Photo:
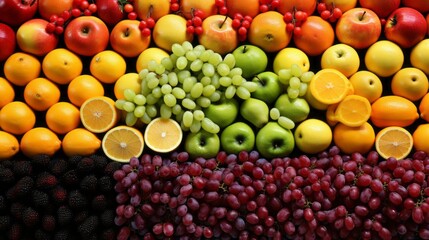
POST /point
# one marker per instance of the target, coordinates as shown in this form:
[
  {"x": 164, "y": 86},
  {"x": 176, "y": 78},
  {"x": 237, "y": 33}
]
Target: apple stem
[
  {"x": 361, "y": 16},
  {"x": 260, "y": 80},
  {"x": 393, "y": 20},
  {"x": 244, "y": 48},
  {"x": 223, "y": 22},
  {"x": 149, "y": 13}
]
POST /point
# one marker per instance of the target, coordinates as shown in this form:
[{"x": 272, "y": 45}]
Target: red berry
[
  {"x": 132, "y": 15},
  {"x": 325, "y": 14},
  {"x": 321, "y": 7},
  {"x": 86, "y": 12},
  {"x": 198, "y": 13},
  {"x": 174, "y": 1},
  {"x": 288, "y": 17},
  {"x": 242, "y": 38},
  {"x": 128, "y": 8},
  {"x": 337, "y": 13},
  {"x": 174, "y": 7},
  {"x": 92, "y": 7},
  {"x": 290, "y": 27},
  {"x": 60, "y": 21},
  {"x": 248, "y": 18},
  {"x": 332, "y": 19},
  {"x": 190, "y": 29},
  {"x": 245, "y": 24},
  {"x": 59, "y": 30},
  {"x": 150, "y": 22},
  {"x": 142, "y": 24},
  {"x": 65, "y": 15},
  {"x": 197, "y": 21},
  {"x": 223, "y": 10},
  {"x": 53, "y": 18},
  {"x": 198, "y": 30},
  {"x": 299, "y": 15},
  {"x": 242, "y": 31},
  {"x": 219, "y": 3},
  {"x": 189, "y": 22},
  {"x": 146, "y": 32},
  {"x": 236, "y": 23},
  {"x": 84, "y": 5},
  {"x": 263, "y": 8},
  {"x": 50, "y": 27},
  {"x": 76, "y": 12},
  {"x": 238, "y": 16},
  {"x": 275, "y": 3}
]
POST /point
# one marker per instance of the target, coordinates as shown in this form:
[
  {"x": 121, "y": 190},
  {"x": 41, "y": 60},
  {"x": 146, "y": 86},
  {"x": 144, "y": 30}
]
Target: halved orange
[
  {"x": 329, "y": 86},
  {"x": 163, "y": 135},
  {"x": 394, "y": 142},
  {"x": 99, "y": 114},
  {"x": 353, "y": 110},
  {"x": 121, "y": 143}
]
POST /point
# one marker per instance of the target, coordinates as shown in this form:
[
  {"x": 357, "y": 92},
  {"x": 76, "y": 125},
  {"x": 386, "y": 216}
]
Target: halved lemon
[
  {"x": 121, "y": 143},
  {"x": 163, "y": 135},
  {"x": 99, "y": 114},
  {"x": 394, "y": 142}
]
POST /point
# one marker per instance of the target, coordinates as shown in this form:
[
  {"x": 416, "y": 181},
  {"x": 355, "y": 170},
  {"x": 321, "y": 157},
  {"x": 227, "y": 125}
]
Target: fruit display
[{"x": 216, "y": 119}]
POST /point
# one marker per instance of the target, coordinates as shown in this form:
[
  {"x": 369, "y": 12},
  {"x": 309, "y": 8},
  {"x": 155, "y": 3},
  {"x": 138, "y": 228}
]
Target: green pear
[
  {"x": 296, "y": 109},
  {"x": 255, "y": 111}
]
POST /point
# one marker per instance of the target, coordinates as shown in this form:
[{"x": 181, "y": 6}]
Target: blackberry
[
  {"x": 105, "y": 184},
  {"x": 70, "y": 178},
  {"x": 21, "y": 188},
  {"x": 64, "y": 215},
  {"x": 88, "y": 227},
  {"x": 16, "y": 210},
  {"x": 41, "y": 160},
  {"x": 89, "y": 184},
  {"x": 107, "y": 218},
  {"x": 6, "y": 176},
  {"x": 108, "y": 234},
  {"x": 39, "y": 234},
  {"x": 85, "y": 165},
  {"x": 100, "y": 162},
  {"x": 15, "y": 232},
  {"x": 74, "y": 160},
  {"x": 59, "y": 194},
  {"x": 62, "y": 234},
  {"x": 99, "y": 203},
  {"x": 111, "y": 167},
  {"x": 58, "y": 166},
  {"x": 48, "y": 223},
  {"x": 22, "y": 168},
  {"x": 77, "y": 200},
  {"x": 45, "y": 180},
  {"x": 5, "y": 222},
  {"x": 40, "y": 199},
  {"x": 80, "y": 216},
  {"x": 30, "y": 217},
  {"x": 3, "y": 204}
]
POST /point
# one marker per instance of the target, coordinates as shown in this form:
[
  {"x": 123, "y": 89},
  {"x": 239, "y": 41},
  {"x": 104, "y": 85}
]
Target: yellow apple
[
  {"x": 341, "y": 57},
  {"x": 367, "y": 84},
  {"x": 411, "y": 83},
  {"x": 152, "y": 53},
  {"x": 151, "y": 8},
  {"x": 288, "y": 56},
  {"x": 218, "y": 34},
  {"x": 208, "y": 7},
  {"x": 344, "y": 5},
  {"x": 169, "y": 29},
  {"x": 384, "y": 58},
  {"x": 313, "y": 136},
  {"x": 419, "y": 57}
]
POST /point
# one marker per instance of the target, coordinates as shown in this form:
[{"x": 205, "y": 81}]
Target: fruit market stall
[{"x": 216, "y": 119}]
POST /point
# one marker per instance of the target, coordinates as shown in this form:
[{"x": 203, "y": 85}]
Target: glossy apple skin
[
  {"x": 86, "y": 35},
  {"x": 218, "y": 34},
  {"x": 126, "y": 38},
  {"x": 208, "y": 7},
  {"x": 7, "y": 41},
  {"x": 16, "y": 12},
  {"x": 151, "y": 8},
  {"x": 32, "y": 37},
  {"x": 358, "y": 27},
  {"x": 109, "y": 11},
  {"x": 421, "y": 6},
  {"x": 381, "y": 7},
  {"x": 406, "y": 27}
]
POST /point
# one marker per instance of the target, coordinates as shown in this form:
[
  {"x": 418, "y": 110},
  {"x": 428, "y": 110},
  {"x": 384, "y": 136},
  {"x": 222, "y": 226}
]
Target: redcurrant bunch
[
  {"x": 329, "y": 12},
  {"x": 294, "y": 21},
  {"x": 268, "y": 5},
  {"x": 241, "y": 25},
  {"x": 174, "y": 6},
  {"x": 146, "y": 26},
  {"x": 128, "y": 8},
  {"x": 83, "y": 7},
  {"x": 57, "y": 22},
  {"x": 194, "y": 25},
  {"x": 221, "y": 6}
]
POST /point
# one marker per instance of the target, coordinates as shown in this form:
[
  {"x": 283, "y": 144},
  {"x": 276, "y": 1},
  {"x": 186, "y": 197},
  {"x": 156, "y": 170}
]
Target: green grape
[
  {"x": 181, "y": 63},
  {"x": 230, "y": 91},
  {"x": 188, "y": 83},
  {"x": 139, "y": 111},
  {"x": 229, "y": 59},
  {"x": 189, "y": 103},
  {"x": 167, "y": 63},
  {"x": 307, "y": 76},
  {"x": 187, "y": 46},
  {"x": 165, "y": 111},
  {"x": 152, "y": 111},
  {"x": 166, "y": 88},
  {"x": 129, "y": 94},
  {"x": 178, "y": 92},
  {"x": 208, "y": 69},
  {"x": 145, "y": 90},
  {"x": 151, "y": 99},
  {"x": 195, "y": 126},
  {"x": 225, "y": 81},
  {"x": 196, "y": 65},
  {"x": 203, "y": 102},
  {"x": 208, "y": 125},
  {"x": 250, "y": 86},
  {"x": 139, "y": 99},
  {"x": 208, "y": 90},
  {"x": 223, "y": 69},
  {"x": 235, "y": 71},
  {"x": 159, "y": 69},
  {"x": 191, "y": 55},
  {"x": 286, "y": 122},
  {"x": 295, "y": 70},
  {"x": 215, "y": 80},
  {"x": 176, "y": 109},
  {"x": 173, "y": 58},
  {"x": 182, "y": 75},
  {"x": 198, "y": 115},
  {"x": 143, "y": 73},
  {"x": 178, "y": 49},
  {"x": 200, "y": 48},
  {"x": 119, "y": 104},
  {"x": 187, "y": 118},
  {"x": 172, "y": 79},
  {"x": 215, "y": 96},
  {"x": 243, "y": 93},
  {"x": 274, "y": 113},
  {"x": 294, "y": 82},
  {"x": 151, "y": 75},
  {"x": 146, "y": 119},
  {"x": 206, "y": 81},
  {"x": 170, "y": 100},
  {"x": 197, "y": 90},
  {"x": 292, "y": 92},
  {"x": 303, "y": 89},
  {"x": 205, "y": 55},
  {"x": 156, "y": 92},
  {"x": 215, "y": 59},
  {"x": 163, "y": 79},
  {"x": 237, "y": 80},
  {"x": 152, "y": 83},
  {"x": 183, "y": 127},
  {"x": 284, "y": 76},
  {"x": 151, "y": 65},
  {"x": 130, "y": 119},
  {"x": 129, "y": 106}
]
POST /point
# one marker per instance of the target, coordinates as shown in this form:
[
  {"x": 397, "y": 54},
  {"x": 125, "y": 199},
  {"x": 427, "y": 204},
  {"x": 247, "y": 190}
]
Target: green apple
[
  {"x": 313, "y": 136},
  {"x": 273, "y": 140},
  {"x": 296, "y": 109},
  {"x": 223, "y": 112},
  {"x": 269, "y": 87},
  {"x": 255, "y": 111},
  {"x": 251, "y": 59},
  {"x": 237, "y": 137},
  {"x": 202, "y": 144}
]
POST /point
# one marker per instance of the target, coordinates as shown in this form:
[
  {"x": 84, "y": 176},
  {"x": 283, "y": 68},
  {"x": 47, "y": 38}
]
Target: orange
[
  {"x": 47, "y": 8},
  {"x": 394, "y": 142},
  {"x": 329, "y": 86},
  {"x": 107, "y": 66},
  {"x": 354, "y": 139},
  {"x": 17, "y": 118},
  {"x": 367, "y": 84},
  {"x": 152, "y": 53},
  {"x": 7, "y": 92},
  {"x": 424, "y": 107},
  {"x": 420, "y": 138},
  {"x": 353, "y": 110},
  {"x": 61, "y": 65},
  {"x": 244, "y": 7},
  {"x": 316, "y": 36},
  {"x": 41, "y": 93},
  {"x": 268, "y": 31},
  {"x": 84, "y": 87},
  {"x": 127, "y": 81},
  {"x": 80, "y": 142},
  {"x": 99, "y": 114},
  {"x": 163, "y": 135},
  {"x": 20, "y": 68},
  {"x": 393, "y": 110},
  {"x": 9, "y": 145},
  {"x": 40, "y": 140},
  {"x": 121, "y": 143},
  {"x": 62, "y": 117},
  {"x": 410, "y": 82}
]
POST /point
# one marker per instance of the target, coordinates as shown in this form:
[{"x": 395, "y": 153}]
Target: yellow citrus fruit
[
  {"x": 9, "y": 145},
  {"x": 7, "y": 92},
  {"x": 163, "y": 135},
  {"x": 80, "y": 141},
  {"x": 61, "y": 65},
  {"x": 424, "y": 107},
  {"x": 20, "y": 68},
  {"x": 127, "y": 81},
  {"x": 121, "y": 143},
  {"x": 40, "y": 140},
  {"x": 83, "y": 87},
  {"x": 394, "y": 142},
  {"x": 384, "y": 58},
  {"x": 329, "y": 86},
  {"x": 62, "y": 117},
  {"x": 41, "y": 93},
  {"x": 99, "y": 114},
  {"x": 420, "y": 138},
  {"x": 354, "y": 139},
  {"x": 331, "y": 119},
  {"x": 17, "y": 118},
  {"x": 313, "y": 102},
  {"x": 153, "y": 53},
  {"x": 353, "y": 110},
  {"x": 367, "y": 84},
  {"x": 393, "y": 110},
  {"x": 107, "y": 66},
  {"x": 410, "y": 82}
]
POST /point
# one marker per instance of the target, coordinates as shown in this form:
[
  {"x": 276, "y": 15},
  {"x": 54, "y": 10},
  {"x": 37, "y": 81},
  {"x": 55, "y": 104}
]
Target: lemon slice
[
  {"x": 394, "y": 142},
  {"x": 121, "y": 143},
  {"x": 329, "y": 86},
  {"x": 99, "y": 114},
  {"x": 163, "y": 135},
  {"x": 353, "y": 110}
]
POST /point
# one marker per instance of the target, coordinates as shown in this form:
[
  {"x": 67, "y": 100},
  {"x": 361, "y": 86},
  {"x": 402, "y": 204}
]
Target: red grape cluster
[
  {"x": 294, "y": 21},
  {"x": 241, "y": 24},
  {"x": 146, "y": 26},
  {"x": 329, "y": 12},
  {"x": 244, "y": 196},
  {"x": 194, "y": 25},
  {"x": 221, "y": 7},
  {"x": 268, "y": 5}
]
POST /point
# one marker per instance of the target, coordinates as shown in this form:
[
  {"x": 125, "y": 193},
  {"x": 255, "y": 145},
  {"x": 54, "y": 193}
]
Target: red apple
[
  {"x": 420, "y": 5},
  {"x": 151, "y": 8},
  {"x": 86, "y": 35},
  {"x": 358, "y": 27},
  {"x": 244, "y": 7},
  {"x": 32, "y": 37},
  {"x": 110, "y": 11},
  {"x": 406, "y": 27},
  {"x": 218, "y": 34},
  {"x": 16, "y": 12},
  {"x": 208, "y": 7},
  {"x": 7, "y": 41},
  {"x": 127, "y": 39},
  {"x": 381, "y": 7}
]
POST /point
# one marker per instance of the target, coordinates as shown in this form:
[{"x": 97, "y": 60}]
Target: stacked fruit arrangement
[{"x": 225, "y": 119}]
